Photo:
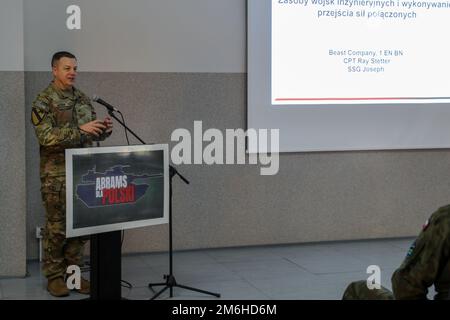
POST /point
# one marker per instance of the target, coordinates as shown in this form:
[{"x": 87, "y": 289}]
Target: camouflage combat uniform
[
  {"x": 56, "y": 115},
  {"x": 427, "y": 263}
]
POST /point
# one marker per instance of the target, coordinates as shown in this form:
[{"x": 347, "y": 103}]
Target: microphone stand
[{"x": 170, "y": 282}]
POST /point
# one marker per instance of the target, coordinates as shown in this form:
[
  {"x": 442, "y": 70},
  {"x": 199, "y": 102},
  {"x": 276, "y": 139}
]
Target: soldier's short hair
[{"x": 61, "y": 54}]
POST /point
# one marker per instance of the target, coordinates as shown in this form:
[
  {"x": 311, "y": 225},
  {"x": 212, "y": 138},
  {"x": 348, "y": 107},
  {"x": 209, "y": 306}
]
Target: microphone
[{"x": 104, "y": 103}]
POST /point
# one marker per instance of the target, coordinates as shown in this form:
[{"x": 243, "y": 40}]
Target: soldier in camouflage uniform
[
  {"x": 63, "y": 117},
  {"x": 427, "y": 263}
]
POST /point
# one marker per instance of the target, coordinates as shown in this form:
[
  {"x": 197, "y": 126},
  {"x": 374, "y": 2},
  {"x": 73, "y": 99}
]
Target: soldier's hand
[
  {"x": 109, "y": 124},
  {"x": 94, "y": 128}
]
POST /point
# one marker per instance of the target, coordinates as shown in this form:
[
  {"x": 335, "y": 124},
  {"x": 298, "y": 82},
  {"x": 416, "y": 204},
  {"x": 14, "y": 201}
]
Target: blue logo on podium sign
[{"x": 112, "y": 187}]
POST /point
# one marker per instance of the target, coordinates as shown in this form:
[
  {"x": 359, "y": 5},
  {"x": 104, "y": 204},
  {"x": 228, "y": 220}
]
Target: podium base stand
[
  {"x": 106, "y": 268},
  {"x": 171, "y": 283}
]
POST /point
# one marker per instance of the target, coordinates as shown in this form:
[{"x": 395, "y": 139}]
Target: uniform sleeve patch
[
  {"x": 37, "y": 115},
  {"x": 411, "y": 250}
]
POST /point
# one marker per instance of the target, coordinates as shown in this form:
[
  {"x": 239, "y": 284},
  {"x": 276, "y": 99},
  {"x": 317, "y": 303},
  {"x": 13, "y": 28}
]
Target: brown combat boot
[
  {"x": 57, "y": 287},
  {"x": 85, "y": 287}
]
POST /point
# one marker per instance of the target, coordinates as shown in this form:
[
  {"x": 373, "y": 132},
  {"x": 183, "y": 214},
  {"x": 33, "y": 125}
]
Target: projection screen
[{"x": 350, "y": 74}]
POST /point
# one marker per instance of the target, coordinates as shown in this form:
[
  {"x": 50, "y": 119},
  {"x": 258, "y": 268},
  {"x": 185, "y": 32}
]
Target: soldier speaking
[{"x": 63, "y": 117}]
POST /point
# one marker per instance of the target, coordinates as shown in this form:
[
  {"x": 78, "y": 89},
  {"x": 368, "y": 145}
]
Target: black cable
[
  {"x": 124, "y": 283},
  {"x": 128, "y": 143},
  {"x": 126, "y": 133}
]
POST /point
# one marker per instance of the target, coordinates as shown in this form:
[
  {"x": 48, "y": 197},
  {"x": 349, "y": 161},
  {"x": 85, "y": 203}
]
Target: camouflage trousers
[
  {"x": 358, "y": 290},
  {"x": 59, "y": 252}
]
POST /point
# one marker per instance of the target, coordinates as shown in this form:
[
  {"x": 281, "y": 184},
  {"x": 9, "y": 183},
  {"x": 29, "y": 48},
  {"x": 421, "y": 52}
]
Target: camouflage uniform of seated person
[
  {"x": 63, "y": 117},
  {"x": 427, "y": 263}
]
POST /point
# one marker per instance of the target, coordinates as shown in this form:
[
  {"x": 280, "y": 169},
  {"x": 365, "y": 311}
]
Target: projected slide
[{"x": 360, "y": 51}]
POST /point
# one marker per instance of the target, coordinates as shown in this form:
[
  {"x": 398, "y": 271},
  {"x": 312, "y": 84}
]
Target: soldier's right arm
[
  {"x": 46, "y": 129},
  {"x": 426, "y": 258}
]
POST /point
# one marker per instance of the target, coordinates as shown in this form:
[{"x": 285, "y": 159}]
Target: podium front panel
[{"x": 116, "y": 188}]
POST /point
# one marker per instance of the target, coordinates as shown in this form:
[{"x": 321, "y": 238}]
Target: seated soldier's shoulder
[
  {"x": 442, "y": 215},
  {"x": 444, "y": 210}
]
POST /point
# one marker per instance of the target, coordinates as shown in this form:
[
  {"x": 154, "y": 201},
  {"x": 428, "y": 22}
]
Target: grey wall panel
[
  {"x": 139, "y": 35},
  {"x": 35, "y": 209},
  {"x": 314, "y": 197},
  {"x": 12, "y": 170},
  {"x": 12, "y": 141}
]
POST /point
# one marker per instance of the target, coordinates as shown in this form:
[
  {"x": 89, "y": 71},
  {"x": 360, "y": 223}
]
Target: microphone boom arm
[
  {"x": 111, "y": 113},
  {"x": 173, "y": 171}
]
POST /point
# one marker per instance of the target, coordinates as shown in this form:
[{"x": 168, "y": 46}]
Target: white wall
[{"x": 139, "y": 35}]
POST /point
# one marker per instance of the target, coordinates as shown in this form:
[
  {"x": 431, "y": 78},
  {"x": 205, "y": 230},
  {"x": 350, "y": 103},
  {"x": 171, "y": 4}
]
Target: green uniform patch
[
  {"x": 411, "y": 250},
  {"x": 37, "y": 115}
]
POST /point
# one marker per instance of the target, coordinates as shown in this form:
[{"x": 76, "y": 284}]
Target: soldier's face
[{"x": 65, "y": 72}]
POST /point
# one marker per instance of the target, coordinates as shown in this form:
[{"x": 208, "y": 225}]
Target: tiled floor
[{"x": 308, "y": 271}]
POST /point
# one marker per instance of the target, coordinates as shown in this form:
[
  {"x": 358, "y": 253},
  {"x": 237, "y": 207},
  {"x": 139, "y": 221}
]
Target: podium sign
[{"x": 116, "y": 188}]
